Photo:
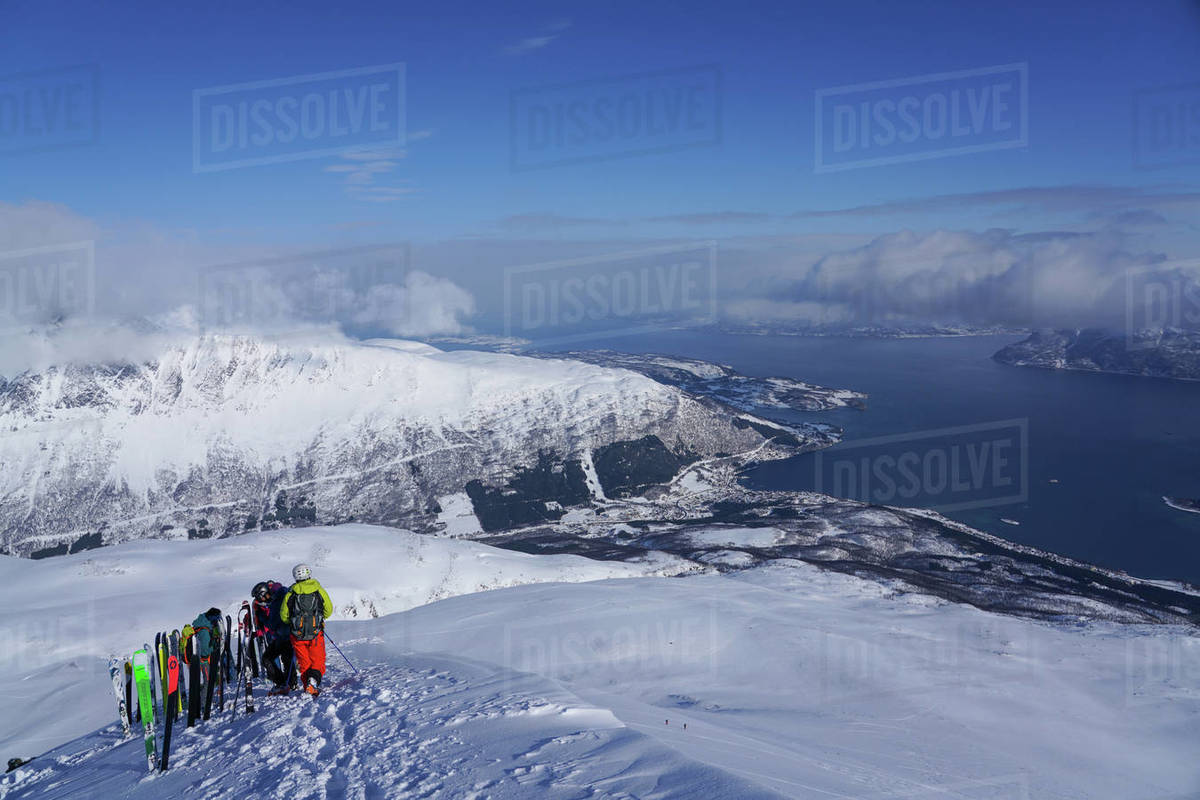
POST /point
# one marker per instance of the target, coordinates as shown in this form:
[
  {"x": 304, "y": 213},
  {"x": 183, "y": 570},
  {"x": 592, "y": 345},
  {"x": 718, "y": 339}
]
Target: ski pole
[
  {"x": 236, "y": 693},
  {"x": 343, "y": 655}
]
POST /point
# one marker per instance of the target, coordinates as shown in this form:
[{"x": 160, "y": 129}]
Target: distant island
[
  {"x": 1183, "y": 504},
  {"x": 1169, "y": 353},
  {"x": 930, "y": 330}
]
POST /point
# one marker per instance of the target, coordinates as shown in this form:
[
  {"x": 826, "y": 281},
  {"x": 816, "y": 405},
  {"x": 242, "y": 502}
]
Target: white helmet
[{"x": 301, "y": 572}]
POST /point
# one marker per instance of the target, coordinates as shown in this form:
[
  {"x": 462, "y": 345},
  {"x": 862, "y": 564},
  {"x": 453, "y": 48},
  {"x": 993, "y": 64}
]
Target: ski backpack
[
  {"x": 307, "y": 615},
  {"x": 188, "y": 632}
]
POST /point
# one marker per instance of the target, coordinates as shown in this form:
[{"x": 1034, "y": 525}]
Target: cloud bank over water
[
  {"x": 186, "y": 283},
  {"x": 994, "y": 277}
]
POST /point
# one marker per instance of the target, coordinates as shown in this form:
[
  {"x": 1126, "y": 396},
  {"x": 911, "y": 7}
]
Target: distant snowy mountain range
[{"x": 222, "y": 434}]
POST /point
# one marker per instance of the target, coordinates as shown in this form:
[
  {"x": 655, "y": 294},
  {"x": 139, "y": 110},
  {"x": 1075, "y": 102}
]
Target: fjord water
[{"x": 1102, "y": 449}]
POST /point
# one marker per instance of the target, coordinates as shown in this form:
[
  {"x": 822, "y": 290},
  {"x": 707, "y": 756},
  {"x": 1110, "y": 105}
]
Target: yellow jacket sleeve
[{"x": 328, "y": 602}]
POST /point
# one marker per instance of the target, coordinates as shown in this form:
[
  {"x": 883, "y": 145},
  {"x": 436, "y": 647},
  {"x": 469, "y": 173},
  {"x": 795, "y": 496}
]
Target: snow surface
[
  {"x": 744, "y": 537},
  {"x": 595, "y": 489},
  {"x": 792, "y": 681},
  {"x": 458, "y": 515},
  {"x": 816, "y": 684},
  {"x": 78, "y": 610}
]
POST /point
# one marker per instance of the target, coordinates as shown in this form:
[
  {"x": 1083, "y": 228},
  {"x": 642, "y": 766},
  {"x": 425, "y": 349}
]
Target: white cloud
[
  {"x": 531, "y": 43},
  {"x": 38, "y": 224},
  {"x": 424, "y": 306},
  {"x": 379, "y": 194},
  {"x": 362, "y": 171},
  {"x": 84, "y": 342},
  {"x": 993, "y": 277},
  {"x": 149, "y": 282}
]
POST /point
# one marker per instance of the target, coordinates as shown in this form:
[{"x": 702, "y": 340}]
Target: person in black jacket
[{"x": 277, "y": 657}]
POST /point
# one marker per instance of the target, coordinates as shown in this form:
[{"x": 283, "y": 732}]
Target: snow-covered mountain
[
  {"x": 723, "y": 382},
  {"x": 1169, "y": 353},
  {"x": 892, "y": 330},
  {"x": 222, "y": 434},
  {"x": 575, "y": 678}
]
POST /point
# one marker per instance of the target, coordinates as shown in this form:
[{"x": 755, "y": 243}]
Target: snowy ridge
[
  {"x": 82, "y": 608},
  {"x": 423, "y": 727},
  {"x": 722, "y": 382}
]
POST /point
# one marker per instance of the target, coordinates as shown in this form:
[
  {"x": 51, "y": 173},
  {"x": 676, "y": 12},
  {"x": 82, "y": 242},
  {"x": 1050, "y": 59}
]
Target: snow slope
[
  {"x": 817, "y": 684},
  {"x": 422, "y": 727},
  {"x": 792, "y": 681},
  {"x": 78, "y": 610}
]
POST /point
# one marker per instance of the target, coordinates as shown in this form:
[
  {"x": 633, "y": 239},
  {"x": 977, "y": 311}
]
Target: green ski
[{"x": 141, "y": 676}]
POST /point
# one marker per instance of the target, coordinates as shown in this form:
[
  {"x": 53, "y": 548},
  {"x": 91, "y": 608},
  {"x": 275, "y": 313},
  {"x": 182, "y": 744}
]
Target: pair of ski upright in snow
[
  {"x": 244, "y": 655},
  {"x": 151, "y": 673}
]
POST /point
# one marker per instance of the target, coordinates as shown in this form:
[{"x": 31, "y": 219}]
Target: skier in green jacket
[{"x": 305, "y": 607}]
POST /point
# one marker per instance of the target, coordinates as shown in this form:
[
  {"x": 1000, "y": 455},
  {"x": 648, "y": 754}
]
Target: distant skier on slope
[
  {"x": 305, "y": 607},
  {"x": 277, "y": 657}
]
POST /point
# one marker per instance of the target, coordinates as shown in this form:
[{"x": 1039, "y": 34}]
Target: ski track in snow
[{"x": 433, "y": 727}]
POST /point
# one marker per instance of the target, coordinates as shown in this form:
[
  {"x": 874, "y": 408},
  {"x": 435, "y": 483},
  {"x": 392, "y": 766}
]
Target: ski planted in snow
[
  {"x": 228, "y": 660},
  {"x": 257, "y": 644},
  {"x": 172, "y": 694},
  {"x": 160, "y": 647},
  {"x": 193, "y": 659},
  {"x": 130, "y": 698},
  {"x": 116, "y": 672},
  {"x": 152, "y": 669},
  {"x": 210, "y": 675},
  {"x": 175, "y": 638},
  {"x": 214, "y": 667},
  {"x": 241, "y": 628},
  {"x": 244, "y": 656},
  {"x": 141, "y": 676}
]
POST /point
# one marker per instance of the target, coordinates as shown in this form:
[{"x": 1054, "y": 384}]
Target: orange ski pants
[{"x": 310, "y": 655}]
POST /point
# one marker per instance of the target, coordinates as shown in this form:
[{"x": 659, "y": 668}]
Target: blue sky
[
  {"x": 1043, "y": 99},
  {"x": 464, "y": 60}
]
